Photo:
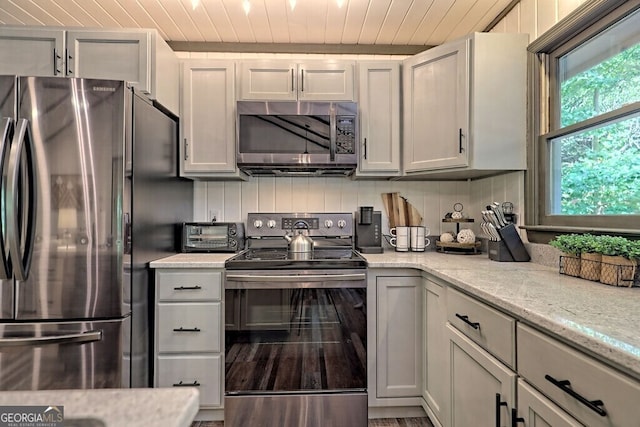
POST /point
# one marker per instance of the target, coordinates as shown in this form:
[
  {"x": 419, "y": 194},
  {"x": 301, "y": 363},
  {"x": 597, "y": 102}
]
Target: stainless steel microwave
[
  {"x": 297, "y": 138},
  {"x": 212, "y": 237}
]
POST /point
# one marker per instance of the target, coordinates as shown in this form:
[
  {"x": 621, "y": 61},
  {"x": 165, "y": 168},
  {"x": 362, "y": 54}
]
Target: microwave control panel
[{"x": 346, "y": 135}]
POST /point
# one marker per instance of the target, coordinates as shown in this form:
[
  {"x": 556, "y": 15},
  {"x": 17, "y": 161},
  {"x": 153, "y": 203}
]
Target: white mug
[
  {"x": 419, "y": 239},
  {"x": 400, "y": 239}
]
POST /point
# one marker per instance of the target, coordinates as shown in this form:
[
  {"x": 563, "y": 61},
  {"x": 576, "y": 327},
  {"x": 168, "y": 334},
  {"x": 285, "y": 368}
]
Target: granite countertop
[
  {"x": 140, "y": 407},
  {"x": 599, "y": 319}
]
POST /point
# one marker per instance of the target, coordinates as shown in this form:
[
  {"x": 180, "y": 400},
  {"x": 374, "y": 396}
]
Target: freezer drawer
[{"x": 69, "y": 355}]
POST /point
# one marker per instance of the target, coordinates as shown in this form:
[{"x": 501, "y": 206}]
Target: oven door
[{"x": 295, "y": 339}]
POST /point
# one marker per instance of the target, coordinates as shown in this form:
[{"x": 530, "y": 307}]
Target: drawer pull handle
[
  {"x": 565, "y": 385},
  {"x": 515, "y": 419},
  {"x": 187, "y": 288},
  {"x": 465, "y": 319},
  {"x": 181, "y": 329},
  {"x": 499, "y": 404},
  {"x": 193, "y": 384}
]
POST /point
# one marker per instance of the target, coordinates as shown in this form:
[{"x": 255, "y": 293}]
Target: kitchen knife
[
  {"x": 498, "y": 209},
  {"x": 494, "y": 233},
  {"x": 496, "y": 213}
]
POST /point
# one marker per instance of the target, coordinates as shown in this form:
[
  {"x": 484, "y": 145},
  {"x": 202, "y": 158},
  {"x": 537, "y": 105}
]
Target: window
[{"x": 586, "y": 158}]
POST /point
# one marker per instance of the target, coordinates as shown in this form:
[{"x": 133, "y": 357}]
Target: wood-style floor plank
[{"x": 381, "y": 422}]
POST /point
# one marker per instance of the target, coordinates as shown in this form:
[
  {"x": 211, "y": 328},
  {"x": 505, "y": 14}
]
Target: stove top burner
[{"x": 280, "y": 258}]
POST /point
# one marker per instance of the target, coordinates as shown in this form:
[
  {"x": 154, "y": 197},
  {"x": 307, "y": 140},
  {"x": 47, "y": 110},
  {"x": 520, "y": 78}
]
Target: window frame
[{"x": 587, "y": 20}]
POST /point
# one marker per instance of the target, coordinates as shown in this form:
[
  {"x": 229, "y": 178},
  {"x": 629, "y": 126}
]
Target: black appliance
[
  {"x": 212, "y": 237},
  {"x": 295, "y": 325},
  {"x": 369, "y": 231}
]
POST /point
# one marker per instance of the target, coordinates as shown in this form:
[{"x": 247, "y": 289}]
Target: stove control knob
[
  {"x": 342, "y": 223},
  {"x": 271, "y": 223},
  {"x": 328, "y": 223},
  {"x": 257, "y": 223}
]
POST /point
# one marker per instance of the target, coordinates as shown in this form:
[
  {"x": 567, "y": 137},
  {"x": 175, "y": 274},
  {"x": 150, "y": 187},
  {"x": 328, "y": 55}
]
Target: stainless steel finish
[
  {"x": 295, "y": 280},
  {"x": 88, "y": 336},
  {"x": 306, "y": 410},
  {"x": 300, "y": 243},
  {"x": 69, "y": 355},
  {"x": 67, "y": 321},
  {"x": 297, "y": 138},
  {"x": 5, "y": 272},
  {"x": 316, "y": 224},
  {"x": 21, "y": 209}
]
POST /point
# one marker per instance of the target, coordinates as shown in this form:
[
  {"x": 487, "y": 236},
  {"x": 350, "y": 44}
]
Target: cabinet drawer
[
  {"x": 542, "y": 359},
  {"x": 189, "y": 285},
  {"x": 203, "y": 371},
  {"x": 489, "y": 328},
  {"x": 189, "y": 327}
]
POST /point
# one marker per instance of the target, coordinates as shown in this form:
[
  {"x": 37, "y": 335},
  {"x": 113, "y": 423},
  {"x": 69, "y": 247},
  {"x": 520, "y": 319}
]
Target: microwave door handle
[
  {"x": 332, "y": 126},
  {"x": 7, "y": 129},
  {"x": 22, "y": 142}
]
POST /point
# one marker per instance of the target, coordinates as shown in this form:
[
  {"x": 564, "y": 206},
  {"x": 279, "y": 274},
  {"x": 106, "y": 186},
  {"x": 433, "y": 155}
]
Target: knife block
[
  {"x": 513, "y": 243},
  {"x": 498, "y": 251}
]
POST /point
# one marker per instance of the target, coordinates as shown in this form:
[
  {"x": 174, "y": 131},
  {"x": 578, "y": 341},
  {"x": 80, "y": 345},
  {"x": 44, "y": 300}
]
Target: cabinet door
[
  {"x": 31, "y": 52},
  {"x": 436, "y": 108},
  {"x": 538, "y": 411},
  {"x": 379, "y": 103},
  {"x": 399, "y": 336},
  {"x": 208, "y": 119},
  {"x": 111, "y": 55},
  {"x": 434, "y": 389},
  {"x": 268, "y": 81},
  {"x": 479, "y": 384},
  {"x": 330, "y": 81}
]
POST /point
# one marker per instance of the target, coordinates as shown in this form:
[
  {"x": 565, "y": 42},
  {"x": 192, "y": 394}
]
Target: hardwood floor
[{"x": 381, "y": 422}]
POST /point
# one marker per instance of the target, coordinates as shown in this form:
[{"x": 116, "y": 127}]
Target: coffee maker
[{"x": 368, "y": 230}]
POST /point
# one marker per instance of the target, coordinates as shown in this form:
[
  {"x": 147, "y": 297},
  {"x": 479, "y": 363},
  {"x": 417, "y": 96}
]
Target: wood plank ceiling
[{"x": 371, "y": 23}]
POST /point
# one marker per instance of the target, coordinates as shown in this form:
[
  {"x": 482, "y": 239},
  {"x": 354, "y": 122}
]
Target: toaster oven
[{"x": 212, "y": 237}]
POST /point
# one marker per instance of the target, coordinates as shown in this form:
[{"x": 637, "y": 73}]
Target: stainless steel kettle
[{"x": 301, "y": 242}]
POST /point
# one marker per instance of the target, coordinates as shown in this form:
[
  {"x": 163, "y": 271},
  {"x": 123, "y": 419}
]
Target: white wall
[{"x": 231, "y": 201}]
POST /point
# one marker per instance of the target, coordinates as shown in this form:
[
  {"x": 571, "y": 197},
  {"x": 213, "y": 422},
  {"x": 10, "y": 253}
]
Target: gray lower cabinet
[
  {"x": 394, "y": 333},
  {"x": 188, "y": 340},
  {"x": 434, "y": 379},
  {"x": 586, "y": 389},
  {"x": 535, "y": 410},
  {"x": 482, "y": 389}
]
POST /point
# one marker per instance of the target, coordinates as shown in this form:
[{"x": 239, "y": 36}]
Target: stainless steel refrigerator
[{"x": 89, "y": 196}]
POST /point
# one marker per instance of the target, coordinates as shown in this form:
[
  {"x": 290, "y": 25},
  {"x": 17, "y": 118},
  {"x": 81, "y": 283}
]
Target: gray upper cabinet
[
  {"x": 138, "y": 56},
  {"x": 284, "y": 80},
  {"x": 207, "y": 125},
  {"x": 465, "y": 107},
  {"x": 379, "y": 116}
]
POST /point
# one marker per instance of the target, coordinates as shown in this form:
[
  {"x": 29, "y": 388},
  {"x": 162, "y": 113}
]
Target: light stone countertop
[
  {"x": 139, "y": 407},
  {"x": 601, "y": 320}
]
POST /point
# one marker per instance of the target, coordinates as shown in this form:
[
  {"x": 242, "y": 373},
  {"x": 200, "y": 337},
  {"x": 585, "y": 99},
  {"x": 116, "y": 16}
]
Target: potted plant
[
  {"x": 621, "y": 266},
  {"x": 571, "y": 247}
]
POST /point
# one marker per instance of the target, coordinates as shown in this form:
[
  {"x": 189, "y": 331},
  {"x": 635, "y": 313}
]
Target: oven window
[{"x": 288, "y": 340}]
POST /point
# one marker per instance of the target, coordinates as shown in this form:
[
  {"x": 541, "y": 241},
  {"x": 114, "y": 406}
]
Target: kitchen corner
[{"x": 598, "y": 319}]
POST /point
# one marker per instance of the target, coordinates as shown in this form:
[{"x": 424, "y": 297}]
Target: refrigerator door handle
[
  {"x": 5, "y": 263},
  {"x": 82, "y": 337},
  {"x": 17, "y": 201}
]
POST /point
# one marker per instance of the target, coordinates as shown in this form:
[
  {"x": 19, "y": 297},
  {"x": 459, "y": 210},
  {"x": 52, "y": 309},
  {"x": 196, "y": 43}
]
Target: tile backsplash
[{"x": 232, "y": 200}]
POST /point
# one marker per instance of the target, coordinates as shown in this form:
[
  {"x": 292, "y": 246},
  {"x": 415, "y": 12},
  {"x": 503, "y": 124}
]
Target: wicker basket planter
[
  {"x": 590, "y": 266},
  {"x": 570, "y": 265},
  {"x": 617, "y": 270}
]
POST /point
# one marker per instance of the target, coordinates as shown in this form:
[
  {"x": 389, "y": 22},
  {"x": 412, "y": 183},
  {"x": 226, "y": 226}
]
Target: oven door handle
[{"x": 245, "y": 281}]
